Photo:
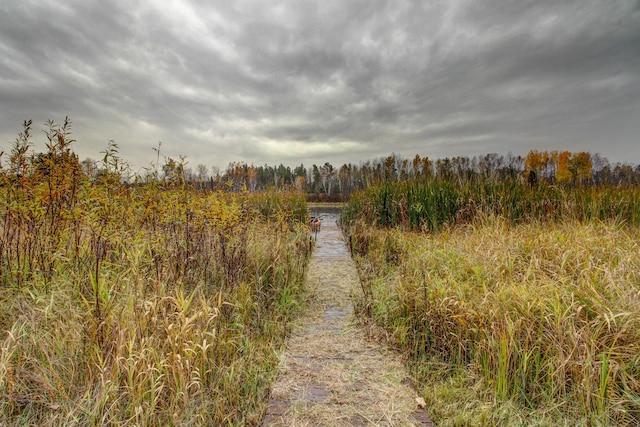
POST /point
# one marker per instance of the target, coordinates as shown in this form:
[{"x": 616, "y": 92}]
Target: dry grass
[
  {"x": 163, "y": 353},
  {"x": 146, "y": 305},
  {"x": 521, "y": 324}
]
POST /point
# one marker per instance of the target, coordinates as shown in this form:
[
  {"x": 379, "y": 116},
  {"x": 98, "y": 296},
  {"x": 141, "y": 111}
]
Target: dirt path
[{"x": 330, "y": 375}]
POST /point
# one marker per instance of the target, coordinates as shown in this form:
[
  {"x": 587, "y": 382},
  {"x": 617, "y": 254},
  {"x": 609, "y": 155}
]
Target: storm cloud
[{"x": 340, "y": 81}]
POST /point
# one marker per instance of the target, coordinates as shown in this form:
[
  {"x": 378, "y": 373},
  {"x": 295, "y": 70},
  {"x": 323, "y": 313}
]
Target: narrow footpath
[{"x": 330, "y": 375}]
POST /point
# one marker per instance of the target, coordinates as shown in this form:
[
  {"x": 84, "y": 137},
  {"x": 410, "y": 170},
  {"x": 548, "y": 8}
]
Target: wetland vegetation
[
  {"x": 152, "y": 304},
  {"x": 510, "y": 285},
  {"x": 514, "y": 304}
]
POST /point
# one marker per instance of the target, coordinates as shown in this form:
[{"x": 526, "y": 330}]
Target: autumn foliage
[
  {"x": 515, "y": 302},
  {"x": 148, "y": 303},
  {"x": 563, "y": 167}
]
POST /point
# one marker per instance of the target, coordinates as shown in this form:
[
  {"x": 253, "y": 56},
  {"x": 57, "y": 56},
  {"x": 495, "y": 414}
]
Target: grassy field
[
  {"x": 507, "y": 319},
  {"x": 146, "y": 305}
]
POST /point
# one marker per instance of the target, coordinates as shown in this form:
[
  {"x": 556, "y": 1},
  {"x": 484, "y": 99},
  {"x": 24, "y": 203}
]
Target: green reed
[
  {"x": 434, "y": 204},
  {"x": 512, "y": 304}
]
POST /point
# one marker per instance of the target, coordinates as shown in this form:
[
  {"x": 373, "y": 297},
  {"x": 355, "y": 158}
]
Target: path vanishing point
[{"x": 330, "y": 374}]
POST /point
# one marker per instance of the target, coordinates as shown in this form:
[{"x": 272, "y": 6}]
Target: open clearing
[{"x": 330, "y": 374}]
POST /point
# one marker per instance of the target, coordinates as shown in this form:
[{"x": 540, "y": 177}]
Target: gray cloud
[{"x": 300, "y": 81}]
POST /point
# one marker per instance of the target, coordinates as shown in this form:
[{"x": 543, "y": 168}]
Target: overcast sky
[{"x": 334, "y": 80}]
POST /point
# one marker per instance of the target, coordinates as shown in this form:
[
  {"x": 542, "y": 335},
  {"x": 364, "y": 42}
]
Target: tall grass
[
  {"x": 140, "y": 305},
  {"x": 435, "y": 204},
  {"x": 508, "y": 319}
]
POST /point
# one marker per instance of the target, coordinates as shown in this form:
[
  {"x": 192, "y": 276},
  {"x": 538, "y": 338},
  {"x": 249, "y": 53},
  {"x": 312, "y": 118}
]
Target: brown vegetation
[
  {"x": 149, "y": 304},
  {"x": 514, "y": 305}
]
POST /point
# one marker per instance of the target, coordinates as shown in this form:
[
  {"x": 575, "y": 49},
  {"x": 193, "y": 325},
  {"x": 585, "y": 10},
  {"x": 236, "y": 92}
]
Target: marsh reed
[
  {"x": 139, "y": 304},
  {"x": 524, "y": 311}
]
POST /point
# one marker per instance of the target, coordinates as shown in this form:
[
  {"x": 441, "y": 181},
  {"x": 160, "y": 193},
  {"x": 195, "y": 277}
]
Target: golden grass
[
  {"x": 139, "y": 304},
  {"x": 542, "y": 319},
  {"x": 161, "y": 308}
]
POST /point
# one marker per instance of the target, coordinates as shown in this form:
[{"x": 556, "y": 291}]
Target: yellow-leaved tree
[
  {"x": 580, "y": 167},
  {"x": 573, "y": 168},
  {"x": 534, "y": 162},
  {"x": 563, "y": 174}
]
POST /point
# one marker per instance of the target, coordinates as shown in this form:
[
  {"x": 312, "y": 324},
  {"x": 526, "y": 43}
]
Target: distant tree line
[{"x": 552, "y": 167}]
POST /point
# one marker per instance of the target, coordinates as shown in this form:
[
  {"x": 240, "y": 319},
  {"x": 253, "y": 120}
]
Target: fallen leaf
[{"x": 421, "y": 403}]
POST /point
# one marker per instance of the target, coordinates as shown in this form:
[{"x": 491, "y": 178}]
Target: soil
[{"x": 330, "y": 374}]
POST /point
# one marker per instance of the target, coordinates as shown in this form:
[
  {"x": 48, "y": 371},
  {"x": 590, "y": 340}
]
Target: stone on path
[{"x": 330, "y": 375}]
